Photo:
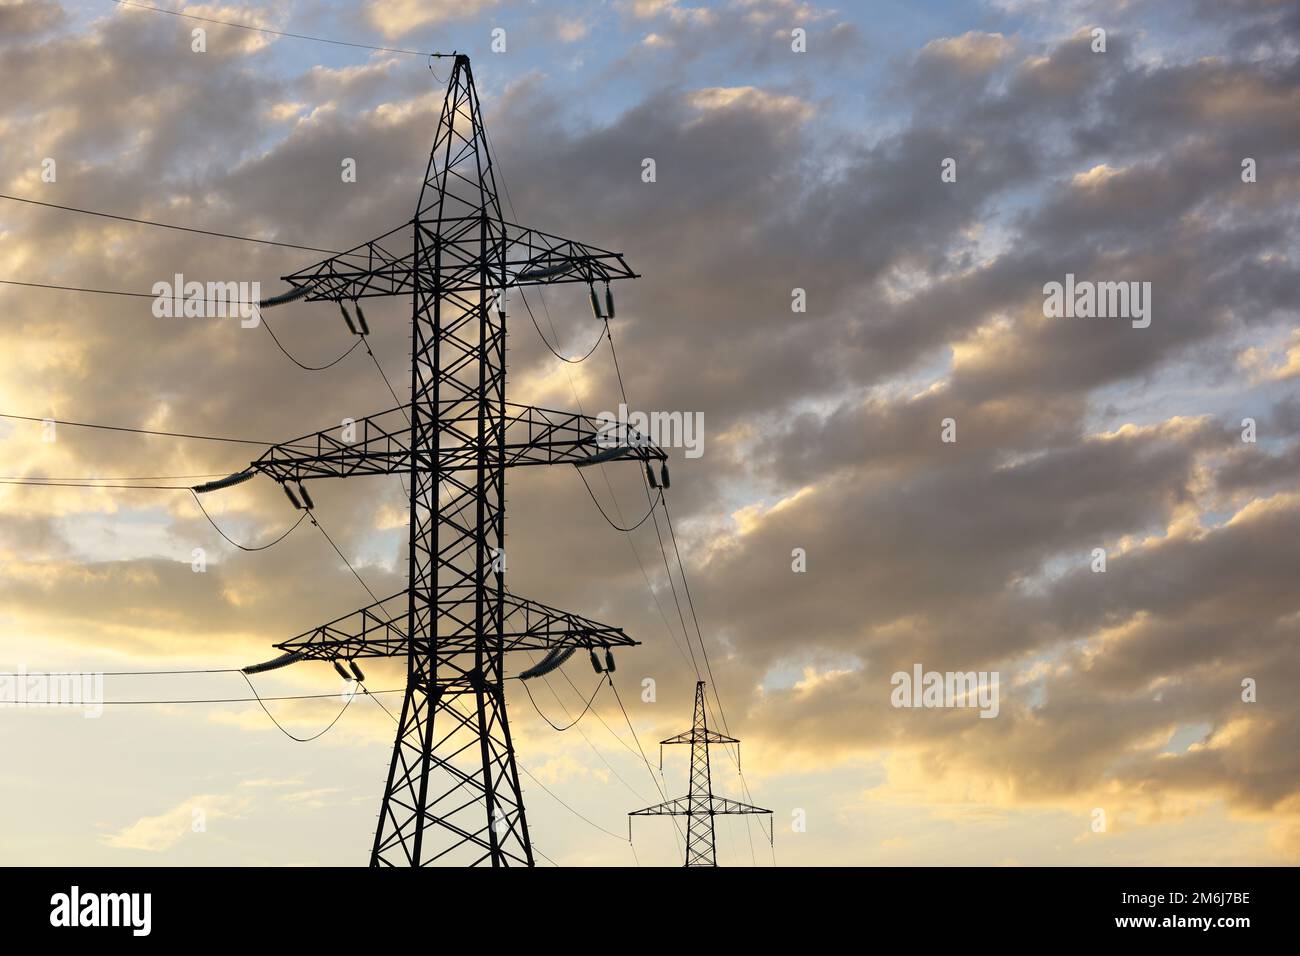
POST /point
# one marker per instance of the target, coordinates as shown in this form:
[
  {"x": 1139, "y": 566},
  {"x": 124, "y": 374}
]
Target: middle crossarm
[
  {"x": 381, "y": 445},
  {"x": 690, "y": 806},
  {"x": 380, "y": 630}
]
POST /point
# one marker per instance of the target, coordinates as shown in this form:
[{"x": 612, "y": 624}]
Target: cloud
[
  {"x": 395, "y": 18},
  {"x": 972, "y": 52},
  {"x": 822, "y": 427},
  {"x": 162, "y": 832}
]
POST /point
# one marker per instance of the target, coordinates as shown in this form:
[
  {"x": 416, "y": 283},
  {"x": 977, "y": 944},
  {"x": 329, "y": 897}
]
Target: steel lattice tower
[
  {"x": 453, "y": 794},
  {"x": 699, "y": 806}
]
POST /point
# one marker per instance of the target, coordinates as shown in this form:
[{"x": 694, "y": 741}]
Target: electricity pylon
[
  {"x": 699, "y": 806},
  {"x": 452, "y": 794}
]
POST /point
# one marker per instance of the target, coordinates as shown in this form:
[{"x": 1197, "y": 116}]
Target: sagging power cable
[
  {"x": 308, "y": 368},
  {"x": 302, "y": 740},
  {"x": 554, "y": 726},
  {"x": 608, "y": 519},
  {"x": 288, "y": 531}
]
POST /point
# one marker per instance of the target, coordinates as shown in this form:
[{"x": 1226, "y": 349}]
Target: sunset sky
[{"x": 776, "y": 171}]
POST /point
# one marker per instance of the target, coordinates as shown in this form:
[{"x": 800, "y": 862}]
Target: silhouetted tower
[
  {"x": 699, "y": 806},
  {"x": 453, "y": 793}
]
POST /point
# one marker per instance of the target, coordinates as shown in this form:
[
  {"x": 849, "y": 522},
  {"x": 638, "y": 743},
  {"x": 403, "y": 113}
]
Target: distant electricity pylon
[
  {"x": 699, "y": 806},
  {"x": 453, "y": 793}
]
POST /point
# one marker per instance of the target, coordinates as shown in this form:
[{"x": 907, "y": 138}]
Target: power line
[
  {"x": 74, "y": 288},
  {"x": 316, "y": 522},
  {"x": 209, "y": 670},
  {"x": 302, "y": 740},
  {"x": 278, "y": 33},
  {"x": 143, "y": 431},
  {"x": 208, "y": 700},
  {"x": 545, "y": 340},
  {"x": 587, "y": 740},
  {"x": 391, "y": 390},
  {"x": 165, "y": 225},
  {"x": 87, "y": 484},
  {"x": 226, "y": 304},
  {"x": 578, "y": 400},
  {"x": 309, "y": 368},
  {"x": 608, "y": 519},
  {"x": 596, "y": 750},
  {"x": 36, "y": 478},
  {"x": 681, "y": 567},
  {"x": 293, "y": 527},
  {"x": 613, "y": 497},
  {"x": 573, "y": 723},
  {"x": 589, "y": 822}
]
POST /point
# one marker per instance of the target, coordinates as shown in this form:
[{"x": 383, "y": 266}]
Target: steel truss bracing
[
  {"x": 699, "y": 806},
  {"x": 453, "y": 794}
]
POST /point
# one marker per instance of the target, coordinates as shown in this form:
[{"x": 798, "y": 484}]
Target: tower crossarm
[
  {"x": 679, "y": 807},
  {"x": 375, "y": 445},
  {"x": 380, "y": 630},
  {"x": 381, "y": 444},
  {"x": 534, "y": 257},
  {"x": 541, "y": 436},
  {"x": 381, "y": 267},
  {"x": 722, "y": 805},
  {"x": 700, "y": 735},
  {"x": 386, "y": 266},
  {"x": 701, "y": 803}
]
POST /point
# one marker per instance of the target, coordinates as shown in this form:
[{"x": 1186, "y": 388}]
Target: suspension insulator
[
  {"x": 306, "y": 498},
  {"x": 650, "y": 476},
  {"x": 609, "y": 660},
  {"x": 595, "y": 661},
  {"x": 609, "y": 302},
  {"x": 342, "y": 673},
  {"x": 595, "y": 304},
  {"x": 356, "y": 671},
  {"x": 663, "y": 475},
  {"x": 292, "y": 497},
  {"x": 347, "y": 318},
  {"x": 361, "y": 318}
]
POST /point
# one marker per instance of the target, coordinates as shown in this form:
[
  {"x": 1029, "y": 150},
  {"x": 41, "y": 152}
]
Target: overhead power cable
[
  {"x": 88, "y": 484},
  {"x": 554, "y": 726},
  {"x": 90, "y": 478},
  {"x": 309, "y": 368},
  {"x": 144, "y": 431},
  {"x": 167, "y": 225},
  {"x": 316, "y": 522},
  {"x": 608, "y": 519},
  {"x": 288, "y": 531},
  {"x": 278, "y": 33},
  {"x": 618, "y": 510},
  {"x": 302, "y": 740},
  {"x": 547, "y": 342},
  {"x": 699, "y": 635},
  {"x": 122, "y": 292},
  {"x": 211, "y": 700},
  {"x": 584, "y": 819},
  {"x": 205, "y": 670}
]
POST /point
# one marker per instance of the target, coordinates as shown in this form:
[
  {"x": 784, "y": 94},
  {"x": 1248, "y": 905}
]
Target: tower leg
[{"x": 453, "y": 795}]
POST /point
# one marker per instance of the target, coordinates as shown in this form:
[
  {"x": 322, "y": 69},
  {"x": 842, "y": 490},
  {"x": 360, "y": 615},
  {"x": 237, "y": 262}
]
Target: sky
[{"x": 906, "y": 461}]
